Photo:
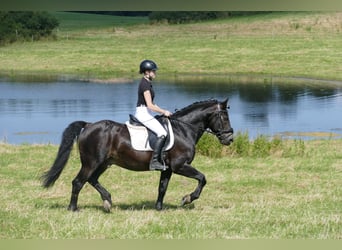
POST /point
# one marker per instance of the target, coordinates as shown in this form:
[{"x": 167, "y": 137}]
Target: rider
[{"x": 145, "y": 105}]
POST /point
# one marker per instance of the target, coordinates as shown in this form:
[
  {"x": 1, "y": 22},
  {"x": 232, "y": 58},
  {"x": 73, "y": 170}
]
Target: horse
[{"x": 107, "y": 142}]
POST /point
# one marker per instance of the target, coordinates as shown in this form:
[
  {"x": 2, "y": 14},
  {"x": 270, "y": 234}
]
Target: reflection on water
[{"x": 38, "y": 112}]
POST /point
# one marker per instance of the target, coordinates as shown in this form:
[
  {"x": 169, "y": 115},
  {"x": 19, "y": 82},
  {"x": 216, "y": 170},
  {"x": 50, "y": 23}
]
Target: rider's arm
[{"x": 152, "y": 106}]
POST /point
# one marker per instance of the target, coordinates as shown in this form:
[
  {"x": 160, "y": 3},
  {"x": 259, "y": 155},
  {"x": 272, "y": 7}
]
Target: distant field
[
  {"x": 296, "y": 195},
  {"x": 291, "y": 44},
  {"x": 74, "y": 22}
]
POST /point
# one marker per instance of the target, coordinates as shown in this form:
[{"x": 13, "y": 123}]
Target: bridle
[
  {"x": 221, "y": 131},
  {"x": 218, "y": 133}
]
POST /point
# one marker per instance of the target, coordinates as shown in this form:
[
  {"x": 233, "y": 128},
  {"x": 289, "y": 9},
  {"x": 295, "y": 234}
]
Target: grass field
[
  {"x": 291, "y": 44},
  {"x": 293, "y": 196},
  {"x": 291, "y": 191}
]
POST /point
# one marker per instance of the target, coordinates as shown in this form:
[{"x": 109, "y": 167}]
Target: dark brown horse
[{"x": 108, "y": 142}]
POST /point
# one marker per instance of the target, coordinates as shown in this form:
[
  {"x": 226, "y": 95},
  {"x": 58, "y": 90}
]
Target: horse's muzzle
[{"x": 226, "y": 138}]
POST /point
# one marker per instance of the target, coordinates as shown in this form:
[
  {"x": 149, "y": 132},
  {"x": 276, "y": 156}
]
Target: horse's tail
[{"x": 68, "y": 138}]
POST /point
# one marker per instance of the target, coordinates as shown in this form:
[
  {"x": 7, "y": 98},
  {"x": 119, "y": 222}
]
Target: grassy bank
[
  {"x": 295, "y": 44},
  {"x": 276, "y": 196}
]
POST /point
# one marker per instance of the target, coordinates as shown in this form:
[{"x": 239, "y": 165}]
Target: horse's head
[
  {"x": 210, "y": 115},
  {"x": 219, "y": 123}
]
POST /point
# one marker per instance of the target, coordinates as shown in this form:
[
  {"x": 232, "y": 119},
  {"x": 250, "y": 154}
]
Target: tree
[
  {"x": 24, "y": 25},
  {"x": 177, "y": 17}
]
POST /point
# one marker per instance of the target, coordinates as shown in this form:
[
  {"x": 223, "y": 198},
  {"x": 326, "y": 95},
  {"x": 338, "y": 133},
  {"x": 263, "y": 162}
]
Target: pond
[{"x": 38, "y": 112}]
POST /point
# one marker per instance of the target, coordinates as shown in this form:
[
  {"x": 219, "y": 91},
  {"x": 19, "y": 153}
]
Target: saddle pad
[{"x": 139, "y": 137}]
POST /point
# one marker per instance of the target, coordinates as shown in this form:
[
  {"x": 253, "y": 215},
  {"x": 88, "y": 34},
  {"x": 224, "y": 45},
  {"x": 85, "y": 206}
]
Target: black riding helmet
[{"x": 147, "y": 65}]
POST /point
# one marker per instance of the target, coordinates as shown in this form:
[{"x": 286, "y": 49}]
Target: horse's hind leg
[
  {"x": 77, "y": 185},
  {"x": 105, "y": 195}
]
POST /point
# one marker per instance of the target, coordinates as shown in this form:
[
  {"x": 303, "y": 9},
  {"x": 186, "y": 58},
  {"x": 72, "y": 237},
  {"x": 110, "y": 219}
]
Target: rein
[{"x": 186, "y": 123}]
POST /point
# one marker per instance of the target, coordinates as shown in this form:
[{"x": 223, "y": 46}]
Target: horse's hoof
[
  {"x": 159, "y": 207},
  {"x": 107, "y": 206},
  {"x": 186, "y": 200},
  {"x": 73, "y": 209}
]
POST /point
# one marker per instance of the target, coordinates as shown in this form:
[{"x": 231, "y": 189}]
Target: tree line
[
  {"x": 25, "y": 25},
  {"x": 177, "y": 17}
]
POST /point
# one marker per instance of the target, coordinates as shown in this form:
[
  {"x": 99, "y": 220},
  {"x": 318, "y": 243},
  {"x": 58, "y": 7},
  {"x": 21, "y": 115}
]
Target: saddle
[{"x": 144, "y": 139}]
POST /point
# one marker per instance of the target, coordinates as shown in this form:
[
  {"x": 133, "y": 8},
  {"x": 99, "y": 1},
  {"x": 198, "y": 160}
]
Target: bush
[
  {"x": 261, "y": 147},
  {"x": 177, "y": 17},
  {"x": 209, "y": 145},
  {"x": 25, "y": 25},
  {"x": 241, "y": 144}
]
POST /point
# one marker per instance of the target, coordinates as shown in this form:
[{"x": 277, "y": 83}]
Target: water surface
[{"x": 38, "y": 112}]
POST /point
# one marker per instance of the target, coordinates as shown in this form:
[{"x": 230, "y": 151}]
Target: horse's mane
[{"x": 193, "y": 106}]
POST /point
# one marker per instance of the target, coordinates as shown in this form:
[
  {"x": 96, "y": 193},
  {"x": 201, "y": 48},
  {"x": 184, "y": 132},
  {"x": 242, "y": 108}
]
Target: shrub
[
  {"x": 177, "y": 17},
  {"x": 25, "y": 25},
  {"x": 241, "y": 144},
  {"x": 261, "y": 146},
  {"x": 209, "y": 145}
]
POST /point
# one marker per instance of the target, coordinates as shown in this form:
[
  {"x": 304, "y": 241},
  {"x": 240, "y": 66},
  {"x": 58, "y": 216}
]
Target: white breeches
[{"x": 145, "y": 117}]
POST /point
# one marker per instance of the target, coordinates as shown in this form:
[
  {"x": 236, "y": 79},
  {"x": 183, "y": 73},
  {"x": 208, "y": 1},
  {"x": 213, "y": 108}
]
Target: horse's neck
[
  {"x": 194, "y": 122},
  {"x": 197, "y": 121}
]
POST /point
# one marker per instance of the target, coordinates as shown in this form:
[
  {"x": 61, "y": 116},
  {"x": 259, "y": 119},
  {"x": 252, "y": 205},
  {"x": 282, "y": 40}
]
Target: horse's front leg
[
  {"x": 165, "y": 177},
  {"x": 189, "y": 171}
]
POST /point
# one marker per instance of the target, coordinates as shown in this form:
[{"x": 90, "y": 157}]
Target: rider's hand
[{"x": 167, "y": 113}]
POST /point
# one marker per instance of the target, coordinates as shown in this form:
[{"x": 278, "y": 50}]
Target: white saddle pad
[{"x": 139, "y": 137}]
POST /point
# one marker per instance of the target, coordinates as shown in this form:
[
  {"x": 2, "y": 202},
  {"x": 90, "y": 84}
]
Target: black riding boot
[{"x": 155, "y": 163}]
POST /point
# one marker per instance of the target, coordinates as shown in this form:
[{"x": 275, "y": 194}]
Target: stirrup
[{"x": 160, "y": 166}]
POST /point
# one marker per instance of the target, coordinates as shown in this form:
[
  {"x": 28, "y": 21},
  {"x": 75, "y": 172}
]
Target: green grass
[
  {"x": 265, "y": 189},
  {"x": 73, "y": 22},
  {"x": 294, "y": 196},
  {"x": 291, "y": 44}
]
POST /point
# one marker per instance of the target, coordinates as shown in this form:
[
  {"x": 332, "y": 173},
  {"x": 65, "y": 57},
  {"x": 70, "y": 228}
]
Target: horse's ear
[{"x": 225, "y": 102}]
